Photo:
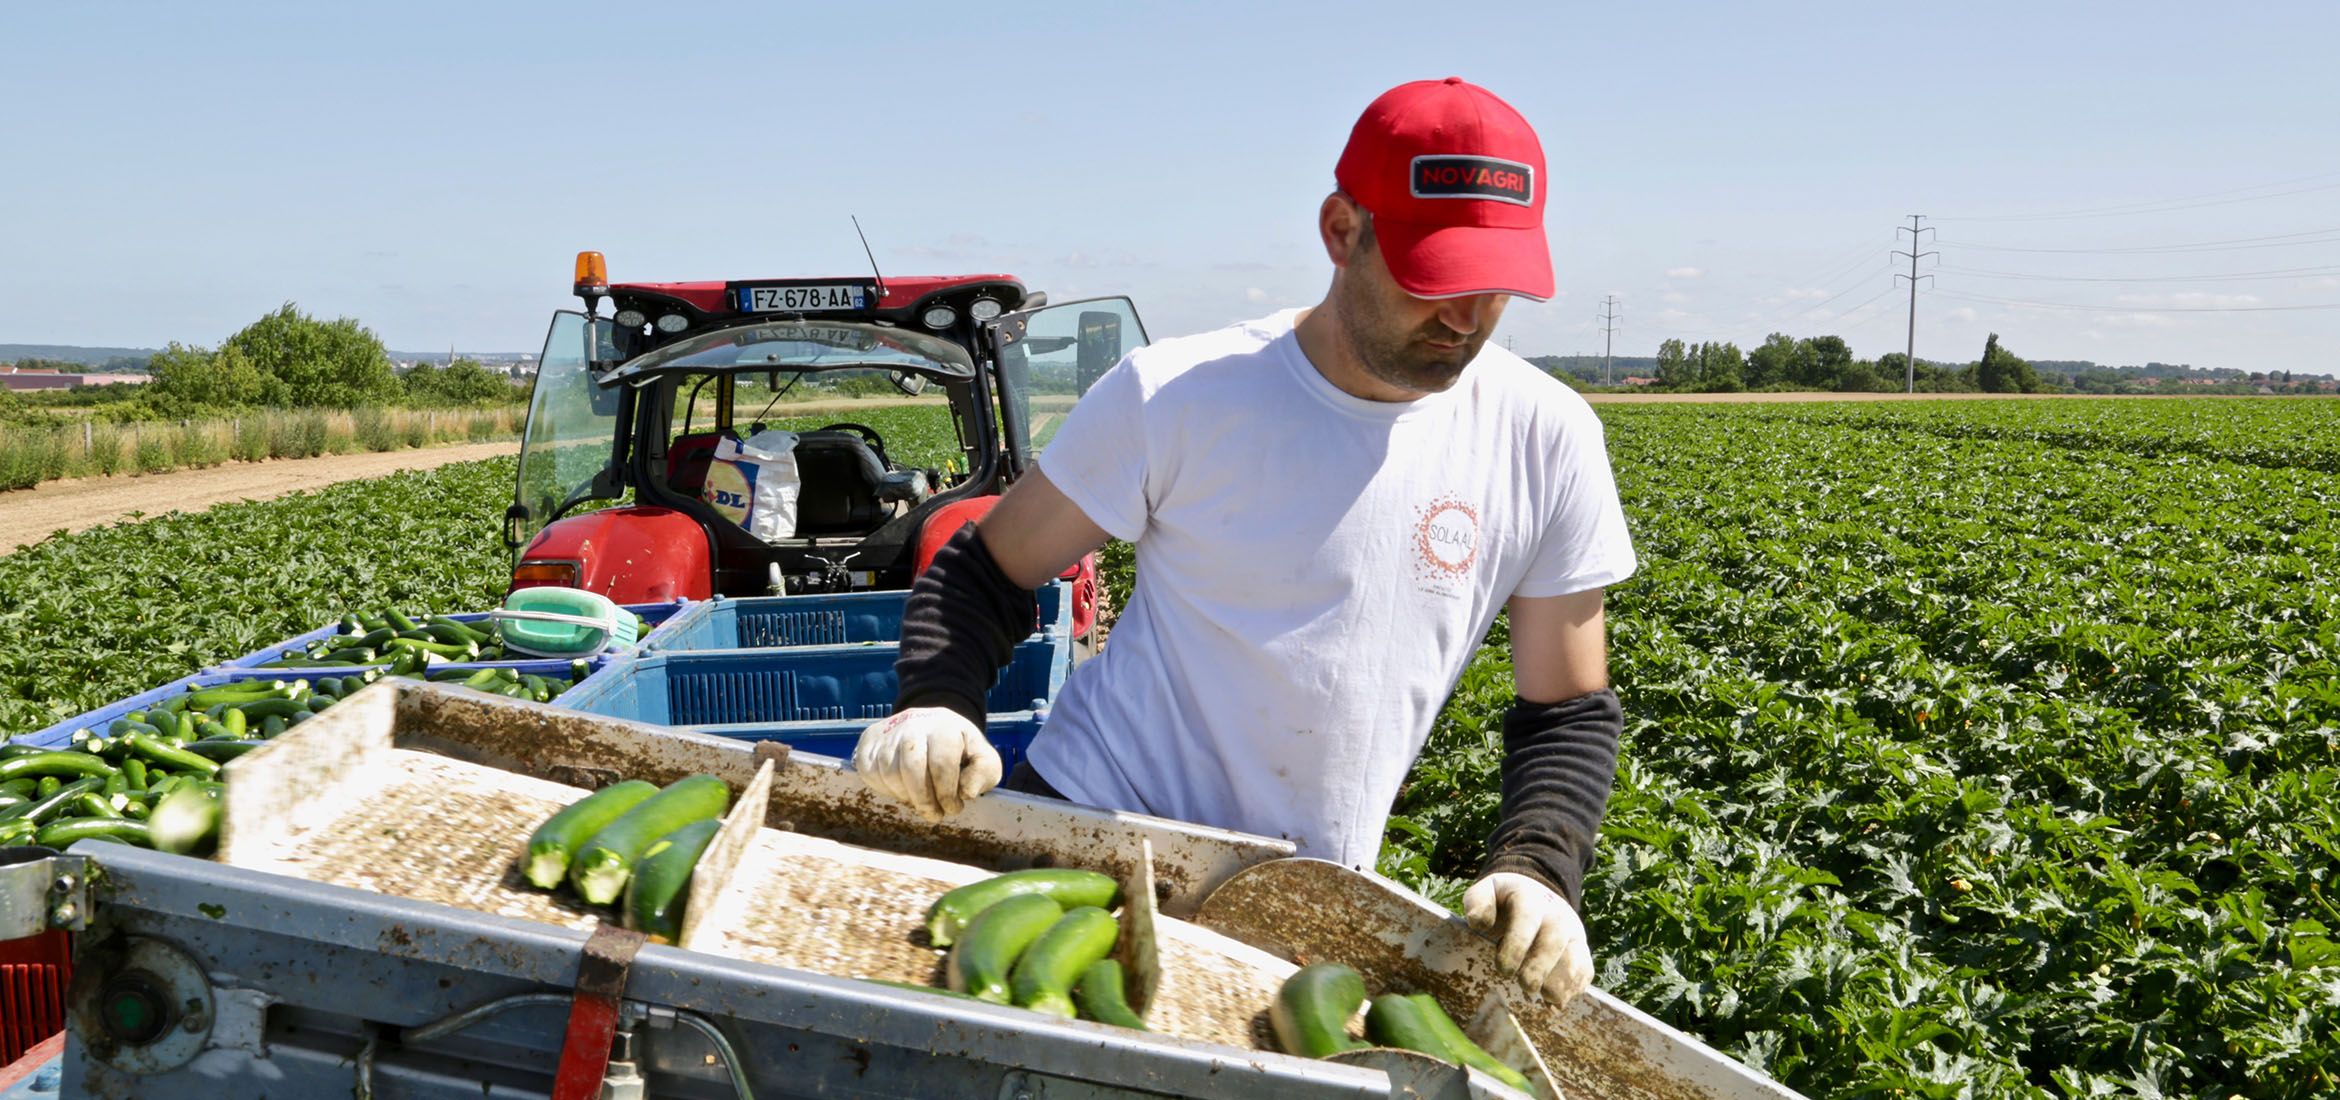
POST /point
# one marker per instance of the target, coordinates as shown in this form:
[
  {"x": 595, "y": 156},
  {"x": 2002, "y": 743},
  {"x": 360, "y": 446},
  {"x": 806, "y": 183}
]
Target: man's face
[{"x": 1417, "y": 344}]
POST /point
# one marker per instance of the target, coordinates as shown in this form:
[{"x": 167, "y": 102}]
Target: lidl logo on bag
[{"x": 730, "y": 490}]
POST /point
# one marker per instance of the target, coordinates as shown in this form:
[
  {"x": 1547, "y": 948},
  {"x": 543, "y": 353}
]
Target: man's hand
[
  {"x": 930, "y": 757},
  {"x": 1542, "y": 939}
]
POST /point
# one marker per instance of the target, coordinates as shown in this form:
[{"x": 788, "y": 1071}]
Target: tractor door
[
  {"x": 1047, "y": 358},
  {"x": 573, "y": 449}
]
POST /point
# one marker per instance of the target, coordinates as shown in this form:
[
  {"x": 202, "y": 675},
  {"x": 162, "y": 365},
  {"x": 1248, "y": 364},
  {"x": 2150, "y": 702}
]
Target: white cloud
[
  {"x": 1675, "y": 298},
  {"x": 1254, "y": 295},
  {"x": 1684, "y": 272},
  {"x": 1963, "y": 313}
]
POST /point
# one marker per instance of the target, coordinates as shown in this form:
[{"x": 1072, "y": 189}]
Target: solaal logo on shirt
[{"x": 1446, "y": 544}]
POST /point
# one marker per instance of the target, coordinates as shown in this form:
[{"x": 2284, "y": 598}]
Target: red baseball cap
[{"x": 1454, "y": 179}]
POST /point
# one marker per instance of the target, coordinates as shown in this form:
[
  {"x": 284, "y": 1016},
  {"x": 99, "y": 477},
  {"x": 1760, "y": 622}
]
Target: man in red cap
[{"x": 1329, "y": 507}]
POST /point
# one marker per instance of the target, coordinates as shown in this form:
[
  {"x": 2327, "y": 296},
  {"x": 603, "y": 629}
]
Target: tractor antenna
[{"x": 873, "y": 267}]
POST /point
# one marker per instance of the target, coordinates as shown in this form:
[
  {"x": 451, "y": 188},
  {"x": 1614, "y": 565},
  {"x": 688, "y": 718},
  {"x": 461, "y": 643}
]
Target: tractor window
[
  {"x": 566, "y": 453},
  {"x": 1058, "y": 352},
  {"x": 857, "y": 426}
]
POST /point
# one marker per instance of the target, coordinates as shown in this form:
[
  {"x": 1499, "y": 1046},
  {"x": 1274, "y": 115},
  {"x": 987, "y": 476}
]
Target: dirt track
[{"x": 29, "y": 515}]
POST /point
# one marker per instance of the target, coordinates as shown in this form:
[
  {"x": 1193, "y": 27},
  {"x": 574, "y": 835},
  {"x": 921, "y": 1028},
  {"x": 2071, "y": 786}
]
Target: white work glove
[
  {"x": 1542, "y": 939},
  {"x": 930, "y": 757}
]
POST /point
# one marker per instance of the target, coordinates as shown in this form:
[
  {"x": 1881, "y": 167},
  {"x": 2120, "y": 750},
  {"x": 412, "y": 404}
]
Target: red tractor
[{"x": 910, "y": 403}]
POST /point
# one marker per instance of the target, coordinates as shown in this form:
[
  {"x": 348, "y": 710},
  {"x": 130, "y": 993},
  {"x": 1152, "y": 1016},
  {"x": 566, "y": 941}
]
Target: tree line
[
  {"x": 286, "y": 359},
  {"x": 1827, "y": 364}
]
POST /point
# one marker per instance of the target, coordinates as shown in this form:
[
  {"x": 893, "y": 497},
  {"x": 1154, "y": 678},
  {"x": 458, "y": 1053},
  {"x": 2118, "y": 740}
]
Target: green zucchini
[
  {"x": 185, "y": 820},
  {"x": 604, "y": 862},
  {"x": 1044, "y": 975},
  {"x": 56, "y": 763},
  {"x": 243, "y": 691},
  {"x": 271, "y": 707},
  {"x": 1471, "y": 1054},
  {"x": 661, "y": 884},
  {"x": 1099, "y": 994},
  {"x": 1399, "y": 1021},
  {"x": 59, "y": 834},
  {"x": 47, "y": 806},
  {"x": 982, "y": 962},
  {"x": 1312, "y": 1010},
  {"x": 1068, "y": 888},
  {"x": 562, "y": 834},
  {"x": 177, "y": 759},
  {"x": 223, "y": 749},
  {"x": 15, "y": 832}
]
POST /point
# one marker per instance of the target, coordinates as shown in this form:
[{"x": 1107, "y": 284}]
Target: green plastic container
[{"x": 562, "y": 622}]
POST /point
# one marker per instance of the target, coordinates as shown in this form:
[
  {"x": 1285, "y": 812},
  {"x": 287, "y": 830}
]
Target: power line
[
  {"x": 1871, "y": 300},
  {"x": 2160, "y": 206},
  {"x": 2237, "y": 244},
  {"x": 1916, "y": 236},
  {"x": 2272, "y": 273},
  {"x": 1836, "y": 269},
  {"x": 1823, "y": 304},
  {"x": 1608, "y": 344},
  {"x": 2135, "y": 308}
]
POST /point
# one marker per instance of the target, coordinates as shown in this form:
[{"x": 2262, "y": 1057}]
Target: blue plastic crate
[
  {"x": 660, "y": 616},
  {"x": 1010, "y": 733},
  {"x": 806, "y": 683},
  {"x": 759, "y": 622},
  {"x": 61, "y": 734}
]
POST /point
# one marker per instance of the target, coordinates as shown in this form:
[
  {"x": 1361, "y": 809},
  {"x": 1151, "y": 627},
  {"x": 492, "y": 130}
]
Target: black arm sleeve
[
  {"x": 1559, "y": 761},
  {"x": 960, "y": 626}
]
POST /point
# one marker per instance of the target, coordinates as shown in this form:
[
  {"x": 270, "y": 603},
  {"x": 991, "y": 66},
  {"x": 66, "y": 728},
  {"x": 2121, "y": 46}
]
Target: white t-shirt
[{"x": 1314, "y": 570}]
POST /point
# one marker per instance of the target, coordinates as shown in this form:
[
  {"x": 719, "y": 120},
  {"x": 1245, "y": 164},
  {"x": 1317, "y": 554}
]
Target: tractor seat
[
  {"x": 688, "y": 457},
  {"x": 845, "y": 488}
]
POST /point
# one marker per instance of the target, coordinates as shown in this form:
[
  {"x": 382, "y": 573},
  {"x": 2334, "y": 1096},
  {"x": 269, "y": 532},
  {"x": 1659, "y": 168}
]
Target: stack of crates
[{"x": 812, "y": 671}]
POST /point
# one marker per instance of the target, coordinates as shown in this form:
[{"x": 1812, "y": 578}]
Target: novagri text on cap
[
  {"x": 1474, "y": 178},
  {"x": 1451, "y": 175}
]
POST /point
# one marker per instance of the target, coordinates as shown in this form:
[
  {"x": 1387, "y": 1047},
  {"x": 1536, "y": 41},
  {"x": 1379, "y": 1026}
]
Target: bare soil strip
[{"x": 29, "y": 515}]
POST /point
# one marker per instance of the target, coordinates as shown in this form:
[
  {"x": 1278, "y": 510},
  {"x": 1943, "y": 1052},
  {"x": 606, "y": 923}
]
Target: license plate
[{"x": 831, "y": 297}]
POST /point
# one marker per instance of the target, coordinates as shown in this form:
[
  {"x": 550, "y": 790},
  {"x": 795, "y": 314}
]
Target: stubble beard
[{"x": 1405, "y": 359}]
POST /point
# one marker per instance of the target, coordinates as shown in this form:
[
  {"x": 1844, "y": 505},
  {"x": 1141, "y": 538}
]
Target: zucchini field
[
  {"x": 1975, "y": 749},
  {"x": 1972, "y": 748}
]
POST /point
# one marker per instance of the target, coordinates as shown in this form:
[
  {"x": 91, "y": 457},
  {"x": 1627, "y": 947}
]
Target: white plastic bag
[{"x": 754, "y": 484}]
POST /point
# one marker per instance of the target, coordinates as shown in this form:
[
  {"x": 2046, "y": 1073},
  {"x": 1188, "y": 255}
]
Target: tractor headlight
[
  {"x": 983, "y": 309},
  {"x": 673, "y": 322},
  {"x": 939, "y": 317},
  {"x": 631, "y": 319}
]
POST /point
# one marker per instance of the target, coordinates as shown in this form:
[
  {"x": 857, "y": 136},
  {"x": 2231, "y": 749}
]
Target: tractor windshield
[
  {"x": 567, "y": 454},
  {"x": 1049, "y": 357},
  {"x": 805, "y": 346}
]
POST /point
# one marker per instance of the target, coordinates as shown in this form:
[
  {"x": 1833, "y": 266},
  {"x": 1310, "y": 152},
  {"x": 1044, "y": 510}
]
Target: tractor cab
[{"x": 902, "y": 407}]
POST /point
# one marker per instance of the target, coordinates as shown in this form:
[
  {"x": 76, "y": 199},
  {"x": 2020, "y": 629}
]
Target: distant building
[{"x": 38, "y": 378}]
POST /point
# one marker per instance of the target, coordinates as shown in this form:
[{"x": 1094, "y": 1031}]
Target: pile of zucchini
[
  {"x": 403, "y": 644},
  {"x": 1038, "y": 939},
  {"x": 633, "y": 841},
  {"x": 139, "y": 788},
  {"x": 1312, "y": 1011}
]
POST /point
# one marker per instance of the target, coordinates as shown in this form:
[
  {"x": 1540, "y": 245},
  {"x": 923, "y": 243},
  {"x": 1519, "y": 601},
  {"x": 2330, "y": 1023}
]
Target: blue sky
[{"x": 1727, "y": 169}]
